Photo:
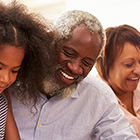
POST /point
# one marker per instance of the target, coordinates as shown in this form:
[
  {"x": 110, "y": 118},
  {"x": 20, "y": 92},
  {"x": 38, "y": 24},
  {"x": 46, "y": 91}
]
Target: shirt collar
[
  {"x": 121, "y": 103},
  {"x": 74, "y": 95},
  {"x": 136, "y": 99}
]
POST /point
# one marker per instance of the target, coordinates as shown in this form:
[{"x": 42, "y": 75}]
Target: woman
[
  {"x": 119, "y": 66},
  {"x": 24, "y": 57}
]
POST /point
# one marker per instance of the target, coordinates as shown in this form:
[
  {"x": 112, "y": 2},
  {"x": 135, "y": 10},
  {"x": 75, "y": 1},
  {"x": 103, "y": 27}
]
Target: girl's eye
[{"x": 15, "y": 71}]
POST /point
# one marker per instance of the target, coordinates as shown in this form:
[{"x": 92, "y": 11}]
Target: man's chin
[
  {"x": 54, "y": 89},
  {"x": 63, "y": 85}
]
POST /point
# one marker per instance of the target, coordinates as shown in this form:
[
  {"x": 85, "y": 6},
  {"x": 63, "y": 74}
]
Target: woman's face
[
  {"x": 125, "y": 72},
  {"x": 10, "y": 62}
]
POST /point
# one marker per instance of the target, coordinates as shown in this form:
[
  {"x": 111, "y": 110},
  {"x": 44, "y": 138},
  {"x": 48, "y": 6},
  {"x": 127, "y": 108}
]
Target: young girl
[{"x": 24, "y": 58}]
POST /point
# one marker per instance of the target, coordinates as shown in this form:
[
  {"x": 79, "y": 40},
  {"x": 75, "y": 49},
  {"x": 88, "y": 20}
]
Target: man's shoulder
[
  {"x": 94, "y": 83},
  {"x": 95, "y": 87}
]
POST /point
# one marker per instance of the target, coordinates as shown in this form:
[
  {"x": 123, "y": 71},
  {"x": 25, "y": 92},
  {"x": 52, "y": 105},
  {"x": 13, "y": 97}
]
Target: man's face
[{"x": 76, "y": 56}]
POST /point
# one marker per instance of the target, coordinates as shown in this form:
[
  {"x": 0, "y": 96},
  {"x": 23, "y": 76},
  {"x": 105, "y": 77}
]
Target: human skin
[
  {"x": 10, "y": 62},
  {"x": 77, "y": 56},
  {"x": 125, "y": 73}
]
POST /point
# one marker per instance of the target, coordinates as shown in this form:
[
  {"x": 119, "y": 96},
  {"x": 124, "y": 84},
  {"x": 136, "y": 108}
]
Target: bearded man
[{"x": 74, "y": 105}]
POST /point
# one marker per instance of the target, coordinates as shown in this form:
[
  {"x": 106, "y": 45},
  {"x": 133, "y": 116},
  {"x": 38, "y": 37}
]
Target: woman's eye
[{"x": 128, "y": 65}]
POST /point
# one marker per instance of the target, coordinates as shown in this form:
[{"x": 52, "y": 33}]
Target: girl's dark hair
[{"x": 20, "y": 28}]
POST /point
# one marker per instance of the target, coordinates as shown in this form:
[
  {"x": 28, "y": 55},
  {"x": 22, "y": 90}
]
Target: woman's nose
[
  {"x": 137, "y": 69},
  {"x": 75, "y": 67}
]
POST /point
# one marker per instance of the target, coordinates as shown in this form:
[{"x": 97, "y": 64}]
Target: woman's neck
[{"x": 127, "y": 99}]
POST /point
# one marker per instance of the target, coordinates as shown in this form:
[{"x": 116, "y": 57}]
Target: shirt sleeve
[{"x": 113, "y": 124}]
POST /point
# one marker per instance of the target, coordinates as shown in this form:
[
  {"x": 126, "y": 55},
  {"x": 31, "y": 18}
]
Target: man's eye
[
  {"x": 86, "y": 63},
  {"x": 68, "y": 53}
]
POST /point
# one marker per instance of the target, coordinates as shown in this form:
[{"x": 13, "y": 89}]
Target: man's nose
[{"x": 75, "y": 67}]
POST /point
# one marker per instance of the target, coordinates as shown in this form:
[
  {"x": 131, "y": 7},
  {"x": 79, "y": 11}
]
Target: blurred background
[{"x": 109, "y": 12}]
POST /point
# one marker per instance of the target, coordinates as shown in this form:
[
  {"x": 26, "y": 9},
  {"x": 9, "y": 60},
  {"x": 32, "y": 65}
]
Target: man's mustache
[{"x": 53, "y": 89}]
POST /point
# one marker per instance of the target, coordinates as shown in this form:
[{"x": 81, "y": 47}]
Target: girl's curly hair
[{"x": 35, "y": 34}]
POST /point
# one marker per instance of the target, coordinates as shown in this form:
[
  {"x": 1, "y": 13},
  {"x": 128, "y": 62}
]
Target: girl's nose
[{"x": 5, "y": 77}]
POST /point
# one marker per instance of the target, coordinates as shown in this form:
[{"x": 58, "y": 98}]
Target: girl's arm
[{"x": 11, "y": 131}]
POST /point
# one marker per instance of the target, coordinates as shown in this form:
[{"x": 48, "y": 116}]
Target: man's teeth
[
  {"x": 135, "y": 78},
  {"x": 67, "y": 76}
]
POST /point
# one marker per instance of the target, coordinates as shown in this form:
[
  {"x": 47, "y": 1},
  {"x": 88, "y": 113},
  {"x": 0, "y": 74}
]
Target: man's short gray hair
[{"x": 67, "y": 22}]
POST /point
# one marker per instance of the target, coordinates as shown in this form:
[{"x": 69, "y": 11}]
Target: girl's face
[
  {"x": 10, "y": 62},
  {"x": 125, "y": 73}
]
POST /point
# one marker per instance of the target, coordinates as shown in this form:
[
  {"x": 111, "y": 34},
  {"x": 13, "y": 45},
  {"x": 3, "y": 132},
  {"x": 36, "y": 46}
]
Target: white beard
[{"x": 54, "y": 90}]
